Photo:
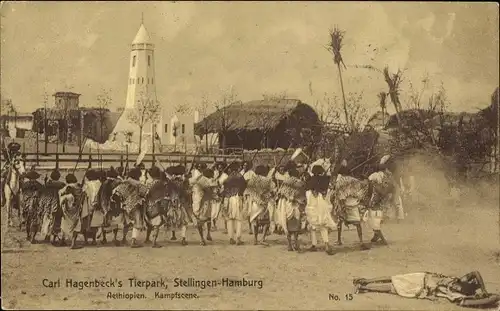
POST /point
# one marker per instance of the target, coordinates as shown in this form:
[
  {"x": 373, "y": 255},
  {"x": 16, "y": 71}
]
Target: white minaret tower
[{"x": 141, "y": 85}]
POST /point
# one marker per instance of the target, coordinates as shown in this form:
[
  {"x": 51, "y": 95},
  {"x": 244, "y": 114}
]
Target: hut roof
[
  {"x": 66, "y": 94},
  {"x": 410, "y": 116},
  {"x": 253, "y": 115},
  {"x": 413, "y": 116}
]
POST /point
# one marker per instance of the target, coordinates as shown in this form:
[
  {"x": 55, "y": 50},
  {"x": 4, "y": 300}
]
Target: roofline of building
[
  {"x": 19, "y": 116},
  {"x": 66, "y": 93}
]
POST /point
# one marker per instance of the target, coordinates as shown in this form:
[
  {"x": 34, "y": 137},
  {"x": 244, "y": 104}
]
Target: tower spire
[{"x": 142, "y": 18}]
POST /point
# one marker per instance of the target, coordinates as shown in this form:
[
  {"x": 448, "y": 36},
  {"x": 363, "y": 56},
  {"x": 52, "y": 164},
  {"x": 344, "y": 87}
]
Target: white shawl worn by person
[
  {"x": 260, "y": 190},
  {"x": 292, "y": 195},
  {"x": 199, "y": 184},
  {"x": 91, "y": 189}
]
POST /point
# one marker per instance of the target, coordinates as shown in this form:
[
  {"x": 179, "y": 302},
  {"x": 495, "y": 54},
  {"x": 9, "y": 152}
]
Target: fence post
[
  {"x": 126, "y": 150},
  {"x": 121, "y": 159},
  {"x": 90, "y": 160},
  {"x": 57, "y": 161}
]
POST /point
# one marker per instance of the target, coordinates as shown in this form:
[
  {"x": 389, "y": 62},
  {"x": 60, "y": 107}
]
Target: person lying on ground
[{"x": 468, "y": 290}]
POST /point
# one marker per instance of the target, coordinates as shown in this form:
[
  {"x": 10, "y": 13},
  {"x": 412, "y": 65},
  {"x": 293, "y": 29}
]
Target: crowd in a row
[{"x": 289, "y": 199}]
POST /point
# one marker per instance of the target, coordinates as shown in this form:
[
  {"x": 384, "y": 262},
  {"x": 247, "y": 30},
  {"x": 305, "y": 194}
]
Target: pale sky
[{"x": 204, "y": 49}]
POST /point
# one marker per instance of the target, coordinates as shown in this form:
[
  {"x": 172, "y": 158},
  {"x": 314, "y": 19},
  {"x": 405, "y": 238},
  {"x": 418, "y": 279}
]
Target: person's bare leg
[
  {"x": 173, "y": 238},
  {"x": 360, "y": 236},
  {"x": 384, "y": 279},
  {"x": 377, "y": 287},
  {"x": 209, "y": 229},
  {"x": 339, "y": 233},
  {"x": 115, "y": 237},
  {"x": 264, "y": 234}
]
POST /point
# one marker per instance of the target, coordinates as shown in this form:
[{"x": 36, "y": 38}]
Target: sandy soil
[{"x": 451, "y": 240}]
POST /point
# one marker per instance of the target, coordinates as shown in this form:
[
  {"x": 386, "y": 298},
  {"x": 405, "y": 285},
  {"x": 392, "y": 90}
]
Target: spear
[{"x": 80, "y": 154}]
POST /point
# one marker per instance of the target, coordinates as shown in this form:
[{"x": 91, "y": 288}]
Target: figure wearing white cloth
[
  {"x": 217, "y": 201},
  {"x": 318, "y": 209},
  {"x": 248, "y": 173}
]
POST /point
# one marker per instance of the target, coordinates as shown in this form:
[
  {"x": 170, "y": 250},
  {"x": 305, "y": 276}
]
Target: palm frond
[{"x": 335, "y": 45}]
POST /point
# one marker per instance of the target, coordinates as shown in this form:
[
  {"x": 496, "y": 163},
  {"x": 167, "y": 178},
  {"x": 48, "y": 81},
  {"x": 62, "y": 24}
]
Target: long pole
[
  {"x": 343, "y": 94},
  {"x": 65, "y": 131},
  {"x": 37, "y": 146},
  {"x": 153, "y": 136},
  {"x": 57, "y": 140},
  {"x": 45, "y": 124}
]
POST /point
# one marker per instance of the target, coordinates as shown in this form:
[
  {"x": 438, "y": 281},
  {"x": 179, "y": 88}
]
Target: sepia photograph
[{"x": 260, "y": 155}]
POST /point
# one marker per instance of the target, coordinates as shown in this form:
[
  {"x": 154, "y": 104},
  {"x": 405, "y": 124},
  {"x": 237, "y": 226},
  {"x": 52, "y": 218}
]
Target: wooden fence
[{"x": 106, "y": 160}]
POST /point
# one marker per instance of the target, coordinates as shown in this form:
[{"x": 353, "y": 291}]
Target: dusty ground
[{"x": 452, "y": 240}]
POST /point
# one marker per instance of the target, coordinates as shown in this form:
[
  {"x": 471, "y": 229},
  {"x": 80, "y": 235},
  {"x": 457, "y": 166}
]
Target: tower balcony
[{"x": 143, "y": 46}]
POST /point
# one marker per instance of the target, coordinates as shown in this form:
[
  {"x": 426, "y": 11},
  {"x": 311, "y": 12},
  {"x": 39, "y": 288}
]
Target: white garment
[
  {"x": 409, "y": 285},
  {"x": 377, "y": 177},
  {"x": 287, "y": 209},
  {"x": 318, "y": 211},
  {"x": 195, "y": 174},
  {"x": 249, "y": 175},
  {"x": 156, "y": 221},
  {"x": 215, "y": 209},
  {"x": 91, "y": 189},
  {"x": 235, "y": 208},
  {"x": 223, "y": 178},
  {"x": 144, "y": 177},
  {"x": 374, "y": 219},
  {"x": 255, "y": 210},
  {"x": 280, "y": 176}
]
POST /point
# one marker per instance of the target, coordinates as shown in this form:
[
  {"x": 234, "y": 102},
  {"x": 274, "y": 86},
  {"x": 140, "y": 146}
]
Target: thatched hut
[{"x": 258, "y": 124}]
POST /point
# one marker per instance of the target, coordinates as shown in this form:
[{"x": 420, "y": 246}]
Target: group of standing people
[{"x": 290, "y": 199}]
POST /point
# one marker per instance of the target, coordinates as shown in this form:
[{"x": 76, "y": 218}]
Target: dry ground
[{"x": 450, "y": 240}]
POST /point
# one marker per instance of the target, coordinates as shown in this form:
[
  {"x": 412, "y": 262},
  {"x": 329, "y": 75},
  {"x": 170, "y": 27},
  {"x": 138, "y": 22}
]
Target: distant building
[
  {"x": 173, "y": 128},
  {"x": 66, "y": 100},
  {"x": 13, "y": 122},
  {"x": 178, "y": 129},
  {"x": 17, "y": 124},
  {"x": 141, "y": 86},
  {"x": 259, "y": 124}
]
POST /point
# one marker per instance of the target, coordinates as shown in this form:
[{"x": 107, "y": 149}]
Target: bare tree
[
  {"x": 382, "y": 96},
  {"x": 104, "y": 101},
  {"x": 8, "y": 107},
  {"x": 329, "y": 117},
  {"x": 204, "y": 110},
  {"x": 427, "y": 120},
  {"x": 393, "y": 82},
  {"x": 175, "y": 133},
  {"x": 182, "y": 109},
  {"x": 225, "y": 122},
  {"x": 128, "y": 135},
  {"x": 179, "y": 110},
  {"x": 267, "y": 120},
  {"x": 326, "y": 108},
  {"x": 146, "y": 111},
  {"x": 357, "y": 112},
  {"x": 45, "y": 122}
]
